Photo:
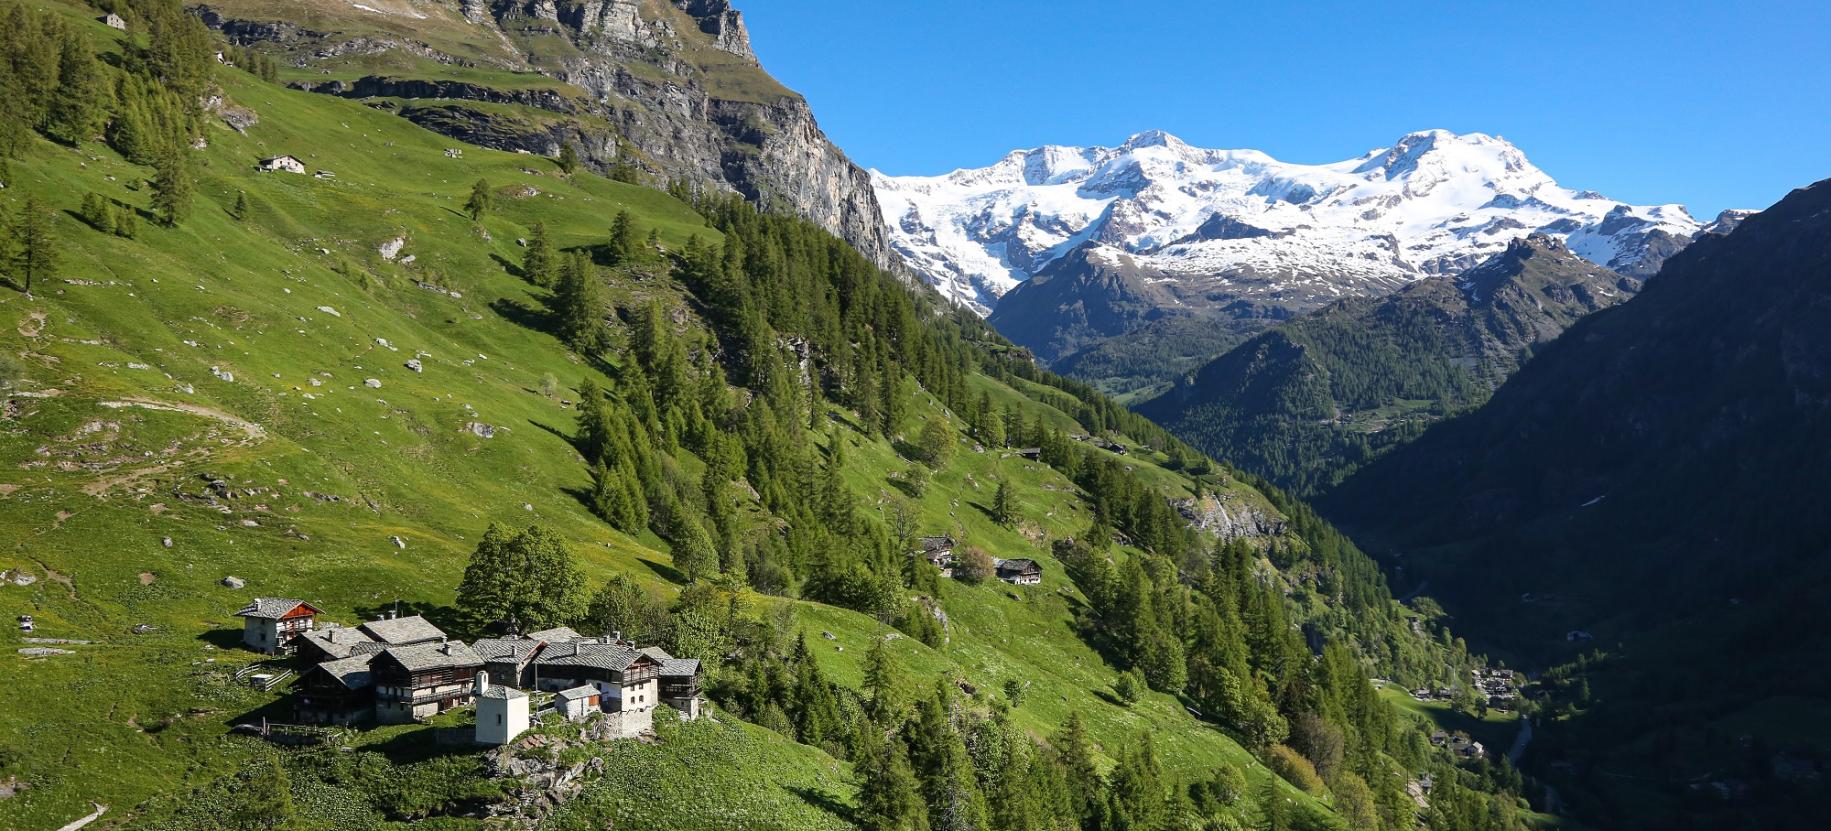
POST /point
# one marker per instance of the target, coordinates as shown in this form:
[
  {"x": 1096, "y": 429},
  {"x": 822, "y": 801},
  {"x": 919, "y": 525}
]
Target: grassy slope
[{"x": 132, "y": 716}]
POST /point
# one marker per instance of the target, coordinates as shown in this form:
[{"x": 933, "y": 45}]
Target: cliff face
[{"x": 672, "y": 88}]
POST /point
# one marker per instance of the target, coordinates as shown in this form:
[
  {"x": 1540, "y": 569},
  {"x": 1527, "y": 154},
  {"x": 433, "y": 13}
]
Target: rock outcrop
[{"x": 672, "y": 89}]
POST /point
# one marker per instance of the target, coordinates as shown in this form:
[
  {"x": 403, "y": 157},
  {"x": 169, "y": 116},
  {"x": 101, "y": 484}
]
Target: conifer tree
[
  {"x": 1081, "y": 770},
  {"x": 889, "y": 795},
  {"x": 623, "y": 244},
  {"x": 125, "y": 223},
  {"x": 33, "y": 253},
  {"x": 941, "y": 762},
  {"x": 97, "y": 212},
  {"x": 479, "y": 202},
  {"x": 537, "y": 263},
  {"x": 80, "y": 109},
  {"x": 1004, "y": 507},
  {"x": 580, "y": 306},
  {"x": 568, "y": 159},
  {"x": 239, "y": 210},
  {"x": 172, "y": 187}
]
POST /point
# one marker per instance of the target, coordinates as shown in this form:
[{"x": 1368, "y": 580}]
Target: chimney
[{"x": 617, "y": 636}]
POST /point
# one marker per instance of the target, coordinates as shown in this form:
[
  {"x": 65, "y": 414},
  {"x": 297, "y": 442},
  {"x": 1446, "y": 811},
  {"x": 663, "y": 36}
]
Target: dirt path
[
  {"x": 100, "y": 809},
  {"x": 99, "y": 488},
  {"x": 255, "y": 431}
]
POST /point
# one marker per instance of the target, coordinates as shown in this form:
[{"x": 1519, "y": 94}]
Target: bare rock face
[
  {"x": 677, "y": 83},
  {"x": 1227, "y": 519}
]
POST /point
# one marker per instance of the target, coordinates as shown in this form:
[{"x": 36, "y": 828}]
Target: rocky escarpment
[
  {"x": 670, "y": 87},
  {"x": 1228, "y": 517}
]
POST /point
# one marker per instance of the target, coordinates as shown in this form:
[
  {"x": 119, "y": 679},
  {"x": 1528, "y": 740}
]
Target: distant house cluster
[
  {"x": 1459, "y": 744},
  {"x": 939, "y": 552},
  {"x": 403, "y": 669},
  {"x": 1497, "y": 685}
]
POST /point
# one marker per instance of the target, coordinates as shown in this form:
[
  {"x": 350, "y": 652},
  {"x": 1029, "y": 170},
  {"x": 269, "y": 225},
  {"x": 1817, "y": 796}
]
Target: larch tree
[{"x": 480, "y": 200}]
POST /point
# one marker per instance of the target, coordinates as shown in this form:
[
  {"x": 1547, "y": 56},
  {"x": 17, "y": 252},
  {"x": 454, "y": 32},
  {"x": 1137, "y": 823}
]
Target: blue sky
[{"x": 1709, "y": 104}]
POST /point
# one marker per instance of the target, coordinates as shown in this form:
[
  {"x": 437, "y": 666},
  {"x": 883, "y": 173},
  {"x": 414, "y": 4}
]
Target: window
[{"x": 498, "y": 718}]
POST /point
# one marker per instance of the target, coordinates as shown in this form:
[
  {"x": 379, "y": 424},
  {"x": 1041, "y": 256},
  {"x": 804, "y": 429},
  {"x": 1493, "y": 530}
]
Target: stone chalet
[
  {"x": 114, "y": 21},
  {"x": 422, "y": 680},
  {"x": 939, "y": 552},
  {"x": 1019, "y": 572},
  {"x": 281, "y": 164},
  {"x": 270, "y": 625},
  {"x": 679, "y": 682}
]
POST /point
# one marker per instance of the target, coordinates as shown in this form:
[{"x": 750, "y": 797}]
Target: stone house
[
  {"x": 336, "y": 692},
  {"x": 510, "y": 660},
  {"x": 114, "y": 21},
  {"x": 271, "y": 624},
  {"x": 281, "y": 164},
  {"x": 422, "y": 680},
  {"x": 1019, "y": 572},
  {"x": 679, "y": 682}
]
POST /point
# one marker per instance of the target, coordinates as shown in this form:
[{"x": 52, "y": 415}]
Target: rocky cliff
[{"x": 670, "y": 88}]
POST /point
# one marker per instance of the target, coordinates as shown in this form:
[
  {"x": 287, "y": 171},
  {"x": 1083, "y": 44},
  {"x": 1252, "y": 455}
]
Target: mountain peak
[{"x": 1153, "y": 138}]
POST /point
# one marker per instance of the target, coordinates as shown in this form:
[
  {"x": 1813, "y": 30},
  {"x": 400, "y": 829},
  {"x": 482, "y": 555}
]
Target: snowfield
[{"x": 1434, "y": 202}]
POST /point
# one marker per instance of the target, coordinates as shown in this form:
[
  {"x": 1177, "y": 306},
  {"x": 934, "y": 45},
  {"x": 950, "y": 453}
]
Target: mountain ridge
[{"x": 1314, "y": 397}]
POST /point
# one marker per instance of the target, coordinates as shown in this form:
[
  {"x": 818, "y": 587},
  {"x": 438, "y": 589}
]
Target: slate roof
[
  {"x": 671, "y": 666},
  {"x": 270, "y": 608},
  {"x": 1017, "y": 566},
  {"x": 403, "y": 631},
  {"x": 597, "y": 654},
  {"x": 506, "y": 649},
  {"x": 503, "y": 692},
  {"x": 578, "y": 693},
  {"x": 424, "y": 656},
  {"x": 935, "y": 545},
  {"x": 556, "y": 634},
  {"x": 338, "y": 641},
  {"x": 352, "y": 672}
]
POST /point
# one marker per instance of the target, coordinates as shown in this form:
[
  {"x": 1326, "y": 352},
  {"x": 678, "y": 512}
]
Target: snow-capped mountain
[{"x": 1241, "y": 225}]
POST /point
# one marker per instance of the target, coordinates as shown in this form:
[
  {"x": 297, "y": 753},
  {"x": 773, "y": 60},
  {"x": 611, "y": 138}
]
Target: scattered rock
[
  {"x": 330, "y": 311},
  {"x": 43, "y": 652},
  {"x": 372, "y": 383},
  {"x": 147, "y": 578},
  {"x": 167, "y": 542},
  {"x": 480, "y": 429},
  {"x": 398, "y": 542},
  {"x": 414, "y": 364},
  {"x": 392, "y": 248},
  {"x": 234, "y": 582},
  {"x": 829, "y": 636},
  {"x": 144, "y": 629}
]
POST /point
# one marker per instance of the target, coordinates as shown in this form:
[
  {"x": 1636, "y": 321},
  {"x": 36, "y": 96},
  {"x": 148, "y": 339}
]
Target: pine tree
[
  {"x": 941, "y": 762},
  {"x": 480, "y": 199},
  {"x": 33, "y": 252},
  {"x": 80, "y": 109},
  {"x": 568, "y": 159},
  {"x": 889, "y": 796},
  {"x": 580, "y": 305},
  {"x": 694, "y": 554},
  {"x": 125, "y": 223},
  {"x": 97, "y": 212},
  {"x": 623, "y": 244},
  {"x": 1081, "y": 770},
  {"x": 172, "y": 187},
  {"x": 537, "y": 263},
  {"x": 1004, "y": 507}
]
